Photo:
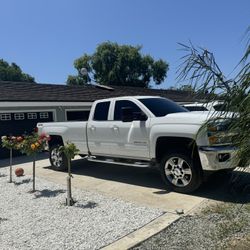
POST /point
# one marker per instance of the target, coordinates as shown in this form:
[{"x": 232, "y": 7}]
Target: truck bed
[{"x": 70, "y": 131}]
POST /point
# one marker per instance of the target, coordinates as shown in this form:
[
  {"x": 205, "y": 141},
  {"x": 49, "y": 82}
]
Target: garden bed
[{"x": 41, "y": 220}]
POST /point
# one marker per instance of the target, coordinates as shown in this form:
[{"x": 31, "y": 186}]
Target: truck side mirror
[
  {"x": 127, "y": 114},
  {"x": 143, "y": 117}
]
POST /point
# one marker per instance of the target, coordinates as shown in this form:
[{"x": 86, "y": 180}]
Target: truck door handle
[
  {"x": 92, "y": 128},
  {"x": 115, "y": 128}
]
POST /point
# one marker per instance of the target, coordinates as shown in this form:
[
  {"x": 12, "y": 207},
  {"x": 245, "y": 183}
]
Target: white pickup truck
[{"x": 146, "y": 131}]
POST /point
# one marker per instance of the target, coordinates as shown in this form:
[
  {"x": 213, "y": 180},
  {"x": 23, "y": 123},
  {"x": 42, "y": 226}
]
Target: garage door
[{"x": 19, "y": 123}]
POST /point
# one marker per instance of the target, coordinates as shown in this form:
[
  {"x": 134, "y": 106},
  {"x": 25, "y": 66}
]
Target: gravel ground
[
  {"x": 41, "y": 220},
  {"x": 210, "y": 231},
  {"x": 219, "y": 225}
]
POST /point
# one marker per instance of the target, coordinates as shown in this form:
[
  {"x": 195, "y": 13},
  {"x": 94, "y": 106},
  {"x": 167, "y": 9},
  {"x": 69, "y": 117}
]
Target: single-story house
[{"x": 23, "y": 105}]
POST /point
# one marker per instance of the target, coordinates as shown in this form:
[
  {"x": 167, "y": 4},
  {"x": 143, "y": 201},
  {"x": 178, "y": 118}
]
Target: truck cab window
[
  {"x": 122, "y": 104},
  {"x": 101, "y": 111}
]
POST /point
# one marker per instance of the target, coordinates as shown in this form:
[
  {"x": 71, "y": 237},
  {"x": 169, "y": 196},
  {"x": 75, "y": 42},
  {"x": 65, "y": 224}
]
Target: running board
[{"x": 110, "y": 161}]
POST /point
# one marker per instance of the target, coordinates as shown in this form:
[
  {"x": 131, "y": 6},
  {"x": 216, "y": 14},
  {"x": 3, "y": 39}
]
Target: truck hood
[{"x": 197, "y": 118}]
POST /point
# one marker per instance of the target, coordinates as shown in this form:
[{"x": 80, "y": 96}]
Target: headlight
[
  {"x": 220, "y": 139},
  {"x": 218, "y": 134}
]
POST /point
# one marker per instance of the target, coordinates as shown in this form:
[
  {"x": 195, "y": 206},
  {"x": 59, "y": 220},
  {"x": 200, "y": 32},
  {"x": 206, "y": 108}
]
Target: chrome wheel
[
  {"x": 178, "y": 171},
  {"x": 56, "y": 158}
]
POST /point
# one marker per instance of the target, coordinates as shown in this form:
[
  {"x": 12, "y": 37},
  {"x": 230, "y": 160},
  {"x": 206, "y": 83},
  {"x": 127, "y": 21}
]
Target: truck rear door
[{"x": 100, "y": 138}]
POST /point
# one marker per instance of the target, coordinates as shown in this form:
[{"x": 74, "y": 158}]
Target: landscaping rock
[{"x": 41, "y": 220}]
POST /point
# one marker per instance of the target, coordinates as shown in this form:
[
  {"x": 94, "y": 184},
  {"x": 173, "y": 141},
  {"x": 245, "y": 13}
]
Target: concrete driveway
[{"x": 137, "y": 185}]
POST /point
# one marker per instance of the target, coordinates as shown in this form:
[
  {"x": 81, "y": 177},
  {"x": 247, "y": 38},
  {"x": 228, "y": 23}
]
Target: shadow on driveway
[
  {"x": 23, "y": 159},
  {"x": 126, "y": 174},
  {"x": 221, "y": 186},
  {"x": 217, "y": 187}
]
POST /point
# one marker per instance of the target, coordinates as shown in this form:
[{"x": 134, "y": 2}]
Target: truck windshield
[{"x": 161, "y": 106}]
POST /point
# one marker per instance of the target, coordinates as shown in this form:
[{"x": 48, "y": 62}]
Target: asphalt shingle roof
[{"x": 16, "y": 91}]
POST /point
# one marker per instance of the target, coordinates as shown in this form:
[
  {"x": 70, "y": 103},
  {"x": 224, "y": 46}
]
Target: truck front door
[{"x": 130, "y": 139}]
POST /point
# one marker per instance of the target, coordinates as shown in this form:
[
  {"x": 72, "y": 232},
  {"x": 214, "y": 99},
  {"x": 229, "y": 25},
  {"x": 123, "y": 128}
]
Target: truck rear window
[{"x": 101, "y": 111}]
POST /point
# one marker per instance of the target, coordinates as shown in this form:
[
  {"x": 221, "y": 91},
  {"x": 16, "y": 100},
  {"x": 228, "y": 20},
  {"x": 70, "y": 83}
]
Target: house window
[
  {"x": 77, "y": 115},
  {"x": 32, "y": 116},
  {"x": 19, "y": 116},
  {"x": 44, "y": 115},
  {"x": 5, "y": 117}
]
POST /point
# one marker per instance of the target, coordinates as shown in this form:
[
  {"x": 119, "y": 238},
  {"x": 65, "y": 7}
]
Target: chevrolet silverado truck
[{"x": 147, "y": 131}]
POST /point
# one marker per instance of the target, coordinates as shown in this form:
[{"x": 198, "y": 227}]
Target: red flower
[
  {"x": 19, "y": 138},
  {"x": 44, "y": 137}
]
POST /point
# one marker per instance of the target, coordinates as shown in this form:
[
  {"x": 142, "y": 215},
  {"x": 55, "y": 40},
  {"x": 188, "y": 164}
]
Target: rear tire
[
  {"x": 181, "y": 172},
  {"x": 57, "y": 159}
]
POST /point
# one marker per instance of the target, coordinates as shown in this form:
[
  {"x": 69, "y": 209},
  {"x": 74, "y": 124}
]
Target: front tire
[
  {"x": 181, "y": 172},
  {"x": 57, "y": 159}
]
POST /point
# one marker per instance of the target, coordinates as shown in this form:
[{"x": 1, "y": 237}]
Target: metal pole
[
  {"x": 34, "y": 173},
  {"x": 69, "y": 194},
  {"x": 10, "y": 165},
  {"x": 69, "y": 198},
  {"x": 69, "y": 168}
]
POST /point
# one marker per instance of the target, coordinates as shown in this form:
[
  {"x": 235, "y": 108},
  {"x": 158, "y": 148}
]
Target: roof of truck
[{"x": 130, "y": 96}]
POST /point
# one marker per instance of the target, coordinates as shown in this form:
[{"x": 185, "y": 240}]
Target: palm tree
[{"x": 199, "y": 67}]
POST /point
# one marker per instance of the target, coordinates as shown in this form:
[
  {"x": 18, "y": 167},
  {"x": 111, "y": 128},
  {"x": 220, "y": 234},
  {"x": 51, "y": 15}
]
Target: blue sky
[{"x": 45, "y": 36}]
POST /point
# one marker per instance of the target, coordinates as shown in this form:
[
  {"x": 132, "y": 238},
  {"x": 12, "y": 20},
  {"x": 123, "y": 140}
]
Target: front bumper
[{"x": 217, "y": 158}]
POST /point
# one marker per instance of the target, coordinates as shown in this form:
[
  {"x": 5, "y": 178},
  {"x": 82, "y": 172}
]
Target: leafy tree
[
  {"x": 12, "y": 72},
  {"x": 113, "y": 64},
  {"x": 76, "y": 80},
  {"x": 199, "y": 66},
  {"x": 187, "y": 87}
]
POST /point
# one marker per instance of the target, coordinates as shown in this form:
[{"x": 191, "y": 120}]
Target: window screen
[
  {"x": 32, "y": 116},
  {"x": 19, "y": 116},
  {"x": 5, "y": 117},
  {"x": 44, "y": 115}
]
